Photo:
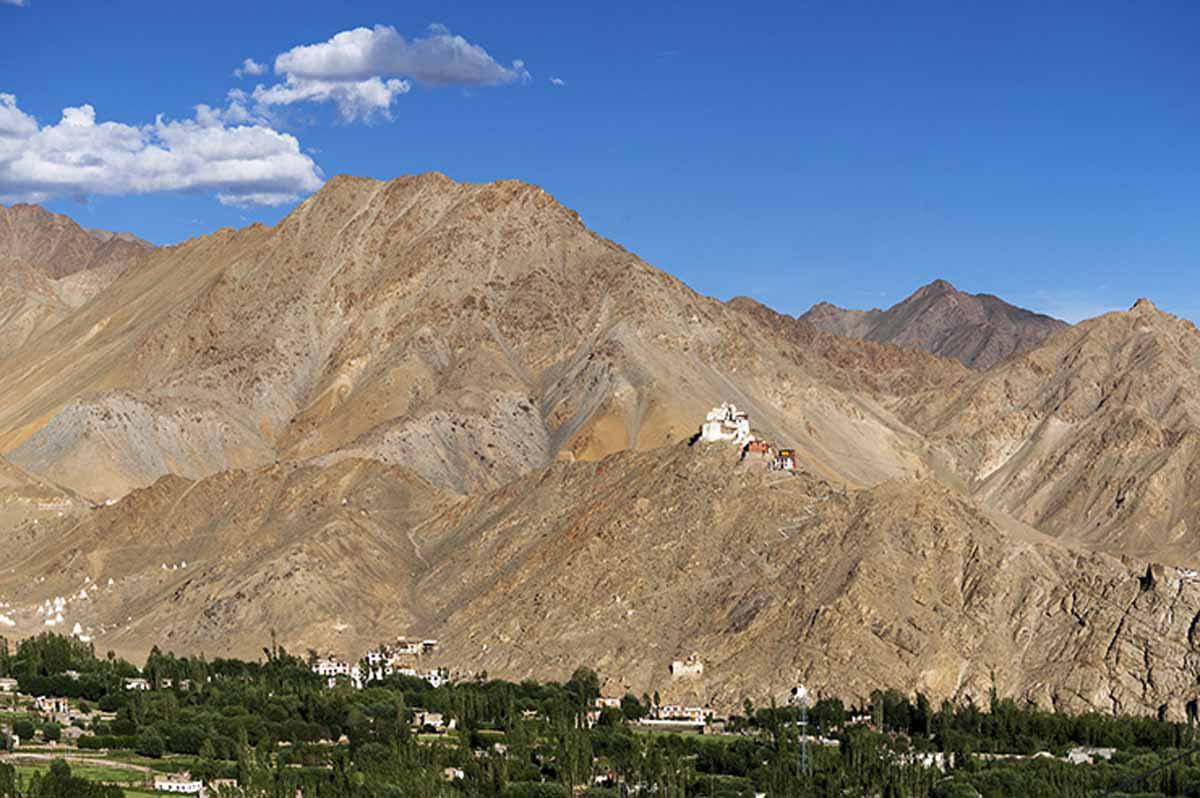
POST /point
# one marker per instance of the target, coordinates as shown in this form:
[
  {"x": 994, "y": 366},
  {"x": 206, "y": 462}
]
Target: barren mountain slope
[
  {"x": 978, "y": 329},
  {"x": 624, "y": 565},
  {"x": 1093, "y": 436},
  {"x": 76, "y": 289},
  {"x": 29, "y": 304},
  {"x": 320, "y": 555},
  {"x": 469, "y": 332},
  {"x": 30, "y": 506},
  {"x": 883, "y": 369},
  {"x": 56, "y": 246},
  {"x": 48, "y": 266},
  {"x": 643, "y": 558}
]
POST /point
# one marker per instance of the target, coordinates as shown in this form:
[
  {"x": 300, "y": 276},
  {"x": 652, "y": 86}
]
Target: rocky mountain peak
[
  {"x": 56, "y": 246},
  {"x": 936, "y": 288},
  {"x": 979, "y": 330}
]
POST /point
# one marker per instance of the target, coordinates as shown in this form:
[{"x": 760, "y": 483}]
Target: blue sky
[{"x": 795, "y": 152}]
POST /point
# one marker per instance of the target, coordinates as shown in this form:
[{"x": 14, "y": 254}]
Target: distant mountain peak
[
  {"x": 936, "y": 288},
  {"x": 56, "y": 246},
  {"x": 977, "y": 329}
]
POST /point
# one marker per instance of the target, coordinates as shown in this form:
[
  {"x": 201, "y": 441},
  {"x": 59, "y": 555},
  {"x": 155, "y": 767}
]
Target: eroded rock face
[
  {"x": 626, "y": 564},
  {"x": 977, "y": 329},
  {"x": 1093, "y": 436}
]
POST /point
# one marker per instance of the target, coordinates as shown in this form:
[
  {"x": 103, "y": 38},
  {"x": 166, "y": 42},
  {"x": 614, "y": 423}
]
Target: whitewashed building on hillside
[
  {"x": 727, "y": 423},
  {"x": 333, "y": 669},
  {"x": 687, "y": 668}
]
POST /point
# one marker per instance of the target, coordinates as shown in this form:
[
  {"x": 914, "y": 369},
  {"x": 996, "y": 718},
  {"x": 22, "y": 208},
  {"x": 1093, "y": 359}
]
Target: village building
[
  {"x": 679, "y": 717},
  {"x": 785, "y": 460},
  {"x": 1087, "y": 756},
  {"x": 400, "y": 658},
  {"x": 333, "y": 669},
  {"x": 432, "y": 722},
  {"x": 8, "y": 685},
  {"x": 687, "y": 668},
  {"x": 670, "y": 712},
  {"x": 137, "y": 683},
  {"x": 52, "y": 706},
  {"x": 385, "y": 661},
  {"x": 407, "y": 648},
  {"x": 179, "y": 783},
  {"x": 437, "y": 677},
  {"x": 71, "y": 734},
  {"x": 759, "y": 448},
  {"x": 592, "y": 716}
]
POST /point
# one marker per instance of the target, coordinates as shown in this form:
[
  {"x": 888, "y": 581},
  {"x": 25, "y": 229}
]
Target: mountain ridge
[
  {"x": 979, "y": 330},
  {"x": 58, "y": 246},
  {"x": 49, "y": 266}
]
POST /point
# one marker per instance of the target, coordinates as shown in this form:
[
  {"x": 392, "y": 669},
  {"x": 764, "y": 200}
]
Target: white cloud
[
  {"x": 244, "y": 164},
  {"x": 17, "y": 3},
  {"x": 558, "y": 81},
  {"x": 355, "y": 99},
  {"x": 249, "y": 67},
  {"x": 365, "y": 69}
]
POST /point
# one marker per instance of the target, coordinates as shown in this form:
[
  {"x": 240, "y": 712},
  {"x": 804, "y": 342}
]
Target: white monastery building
[{"x": 727, "y": 423}]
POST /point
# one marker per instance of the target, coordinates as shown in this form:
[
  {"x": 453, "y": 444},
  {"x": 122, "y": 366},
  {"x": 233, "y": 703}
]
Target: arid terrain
[
  {"x": 49, "y": 266},
  {"x": 445, "y": 409}
]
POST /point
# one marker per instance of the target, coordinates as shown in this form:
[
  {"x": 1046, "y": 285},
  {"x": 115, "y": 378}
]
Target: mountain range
[{"x": 442, "y": 409}]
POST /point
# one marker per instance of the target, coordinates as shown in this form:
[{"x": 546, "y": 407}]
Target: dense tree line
[
  {"x": 1003, "y": 727},
  {"x": 275, "y": 727}
]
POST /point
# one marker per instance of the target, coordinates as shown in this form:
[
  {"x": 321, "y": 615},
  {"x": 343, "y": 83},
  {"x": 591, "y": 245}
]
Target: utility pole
[{"x": 799, "y": 699}]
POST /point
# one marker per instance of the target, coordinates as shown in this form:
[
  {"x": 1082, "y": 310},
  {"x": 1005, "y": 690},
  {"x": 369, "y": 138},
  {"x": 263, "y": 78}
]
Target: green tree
[
  {"x": 23, "y": 728},
  {"x": 150, "y": 744}
]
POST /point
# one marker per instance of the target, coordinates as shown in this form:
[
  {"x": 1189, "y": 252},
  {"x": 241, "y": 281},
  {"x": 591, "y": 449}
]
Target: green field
[
  {"x": 104, "y": 773},
  {"x": 8, "y": 716}
]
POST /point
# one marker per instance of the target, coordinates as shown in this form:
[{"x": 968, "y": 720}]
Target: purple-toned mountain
[
  {"x": 56, "y": 246},
  {"x": 979, "y": 330}
]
